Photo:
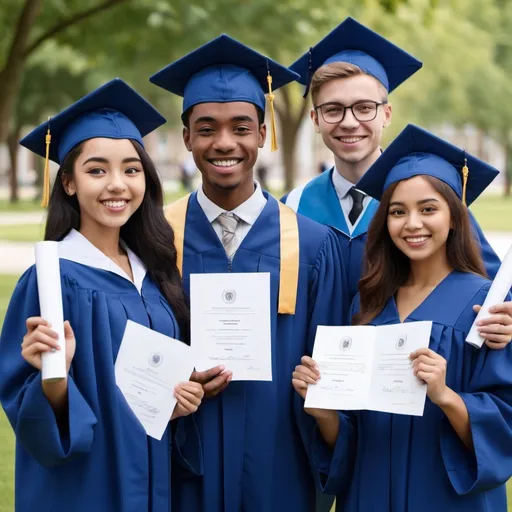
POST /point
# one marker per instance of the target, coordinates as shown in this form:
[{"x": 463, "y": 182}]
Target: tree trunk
[
  {"x": 289, "y": 146},
  {"x": 507, "y": 167},
  {"x": 39, "y": 168},
  {"x": 12, "y": 145},
  {"x": 480, "y": 149},
  {"x": 290, "y": 124},
  {"x": 11, "y": 74}
]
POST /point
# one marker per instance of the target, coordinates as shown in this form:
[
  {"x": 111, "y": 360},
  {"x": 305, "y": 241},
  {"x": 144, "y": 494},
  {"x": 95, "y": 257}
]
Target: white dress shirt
[
  {"x": 247, "y": 212},
  {"x": 75, "y": 247},
  {"x": 342, "y": 186}
]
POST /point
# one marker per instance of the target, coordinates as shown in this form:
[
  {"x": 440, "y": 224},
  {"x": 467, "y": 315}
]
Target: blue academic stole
[{"x": 320, "y": 202}]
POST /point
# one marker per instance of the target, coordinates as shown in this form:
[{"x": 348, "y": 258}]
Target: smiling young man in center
[{"x": 252, "y": 432}]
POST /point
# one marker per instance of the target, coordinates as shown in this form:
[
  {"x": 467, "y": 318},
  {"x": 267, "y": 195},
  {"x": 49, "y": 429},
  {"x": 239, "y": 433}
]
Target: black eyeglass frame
[{"x": 351, "y": 108}]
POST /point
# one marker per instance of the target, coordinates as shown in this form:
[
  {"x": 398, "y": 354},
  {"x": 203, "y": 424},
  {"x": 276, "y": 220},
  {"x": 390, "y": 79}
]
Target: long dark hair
[
  {"x": 146, "y": 233},
  {"x": 386, "y": 268}
]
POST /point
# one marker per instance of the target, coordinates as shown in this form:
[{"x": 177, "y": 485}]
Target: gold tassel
[
  {"x": 46, "y": 182},
  {"x": 465, "y": 174},
  {"x": 273, "y": 130}
]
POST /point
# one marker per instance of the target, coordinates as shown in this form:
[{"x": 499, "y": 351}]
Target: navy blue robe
[
  {"x": 399, "y": 463},
  {"x": 254, "y": 458},
  {"x": 104, "y": 461}
]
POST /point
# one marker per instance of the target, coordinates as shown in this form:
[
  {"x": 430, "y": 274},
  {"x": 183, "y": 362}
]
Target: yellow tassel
[
  {"x": 273, "y": 130},
  {"x": 465, "y": 175},
  {"x": 46, "y": 181}
]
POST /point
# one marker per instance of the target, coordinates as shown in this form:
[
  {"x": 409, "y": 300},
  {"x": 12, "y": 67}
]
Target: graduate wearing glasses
[{"x": 350, "y": 74}]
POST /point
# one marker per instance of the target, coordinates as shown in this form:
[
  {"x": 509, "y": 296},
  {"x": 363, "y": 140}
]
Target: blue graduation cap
[
  {"x": 224, "y": 71},
  {"x": 356, "y": 44},
  {"x": 417, "y": 152},
  {"x": 114, "y": 111}
]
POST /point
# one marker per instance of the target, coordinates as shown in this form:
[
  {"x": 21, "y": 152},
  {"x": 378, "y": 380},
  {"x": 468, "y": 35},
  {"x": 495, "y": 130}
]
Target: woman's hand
[
  {"x": 40, "y": 338},
  {"x": 307, "y": 374},
  {"x": 430, "y": 367},
  {"x": 189, "y": 395}
]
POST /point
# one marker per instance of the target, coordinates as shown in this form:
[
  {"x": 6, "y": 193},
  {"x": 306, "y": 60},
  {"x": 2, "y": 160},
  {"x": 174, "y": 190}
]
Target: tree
[
  {"x": 31, "y": 29},
  {"x": 66, "y": 72}
]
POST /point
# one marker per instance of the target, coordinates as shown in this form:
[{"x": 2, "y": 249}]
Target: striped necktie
[{"x": 229, "y": 222}]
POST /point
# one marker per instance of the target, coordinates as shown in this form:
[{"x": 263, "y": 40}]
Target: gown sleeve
[
  {"x": 29, "y": 412},
  {"x": 328, "y": 306},
  {"x": 491, "y": 259},
  {"x": 488, "y": 399},
  {"x": 187, "y": 451}
]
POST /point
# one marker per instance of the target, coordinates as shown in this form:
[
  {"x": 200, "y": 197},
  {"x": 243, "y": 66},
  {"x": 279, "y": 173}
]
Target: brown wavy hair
[
  {"x": 147, "y": 233},
  {"x": 386, "y": 268}
]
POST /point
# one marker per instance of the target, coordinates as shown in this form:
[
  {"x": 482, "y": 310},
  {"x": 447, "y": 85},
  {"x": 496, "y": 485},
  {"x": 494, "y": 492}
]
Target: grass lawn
[
  {"x": 24, "y": 205},
  {"x": 6, "y": 438},
  {"x": 494, "y": 213},
  {"x": 22, "y": 232}
]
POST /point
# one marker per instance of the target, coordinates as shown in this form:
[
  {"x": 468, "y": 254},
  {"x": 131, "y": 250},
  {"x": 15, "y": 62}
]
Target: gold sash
[{"x": 176, "y": 215}]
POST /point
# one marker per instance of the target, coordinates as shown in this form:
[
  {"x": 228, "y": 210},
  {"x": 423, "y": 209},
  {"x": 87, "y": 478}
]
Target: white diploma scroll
[
  {"x": 50, "y": 303},
  {"x": 497, "y": 294}
]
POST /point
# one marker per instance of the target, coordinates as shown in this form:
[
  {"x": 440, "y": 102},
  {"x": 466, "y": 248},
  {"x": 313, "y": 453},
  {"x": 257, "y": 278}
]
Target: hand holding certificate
[
  {"x": 366, "y": 367},
  {"x": 230, "y": 323},
  {"x": 147, "y": 372}
]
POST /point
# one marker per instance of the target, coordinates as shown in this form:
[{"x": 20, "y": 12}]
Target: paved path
[
  {"x": 10, "y": 219},
  {"x": 15, "y": 257}
]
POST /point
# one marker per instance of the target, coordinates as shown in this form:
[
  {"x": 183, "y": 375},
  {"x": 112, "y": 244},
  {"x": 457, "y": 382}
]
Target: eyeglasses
[{"x": 364, "y": 111}]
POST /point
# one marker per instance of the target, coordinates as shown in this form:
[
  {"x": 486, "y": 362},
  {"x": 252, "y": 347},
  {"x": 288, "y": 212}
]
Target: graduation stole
[{"x": 176, "y": 215}]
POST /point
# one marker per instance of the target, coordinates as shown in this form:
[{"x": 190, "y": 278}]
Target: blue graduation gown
[
  {"x": 318, "y": 201},
  {"x": 104, "y": 461},
  {"x": 254, "y": 458},
  {"x": 398, "y": 463}
]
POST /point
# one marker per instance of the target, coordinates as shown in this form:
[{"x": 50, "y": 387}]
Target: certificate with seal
[
  {"x": 147, "y": 368},
  {"x": 230, "y": 323},
  {"x": 367, "y": 367}
]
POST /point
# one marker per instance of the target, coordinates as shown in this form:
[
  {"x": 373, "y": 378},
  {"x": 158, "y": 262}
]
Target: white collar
[
  {"x": 341, "y": 184},
  {"x": 75, "y": 247},
  {"x": 248, "y": 211}
]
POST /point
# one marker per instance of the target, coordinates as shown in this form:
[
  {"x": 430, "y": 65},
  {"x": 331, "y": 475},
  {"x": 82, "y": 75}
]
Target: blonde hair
[{"x": 334, "y": 71}]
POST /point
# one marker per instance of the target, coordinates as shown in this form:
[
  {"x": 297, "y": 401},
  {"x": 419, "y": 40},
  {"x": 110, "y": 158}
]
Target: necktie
[
  {"x": 229, "y": 221},
  {"x": 357, "y": 205}
]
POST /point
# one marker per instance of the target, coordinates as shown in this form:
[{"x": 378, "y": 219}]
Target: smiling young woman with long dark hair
[
  {"x": 421, "y": 263},
  {"x": 78, "y": 444},
  {"x": 376, "y": 286}
]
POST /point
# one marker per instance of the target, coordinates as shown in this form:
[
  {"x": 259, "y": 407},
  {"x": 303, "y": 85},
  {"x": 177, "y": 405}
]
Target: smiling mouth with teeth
[
  {"x": 114, "y": 204},
  {"x": 417, "y": 239},
  {"x": 225, "y": 163},
  {"x": 350, "y": 140}
]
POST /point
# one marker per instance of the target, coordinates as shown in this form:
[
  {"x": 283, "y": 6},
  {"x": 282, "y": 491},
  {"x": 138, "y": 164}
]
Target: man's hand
[{"x": 214, "y": 381}]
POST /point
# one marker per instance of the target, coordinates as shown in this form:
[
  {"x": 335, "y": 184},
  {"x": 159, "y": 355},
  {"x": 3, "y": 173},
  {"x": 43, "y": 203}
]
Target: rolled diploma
[
  {"x": 496, "y": 295},
  {"x": 50, "y": 303}
]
